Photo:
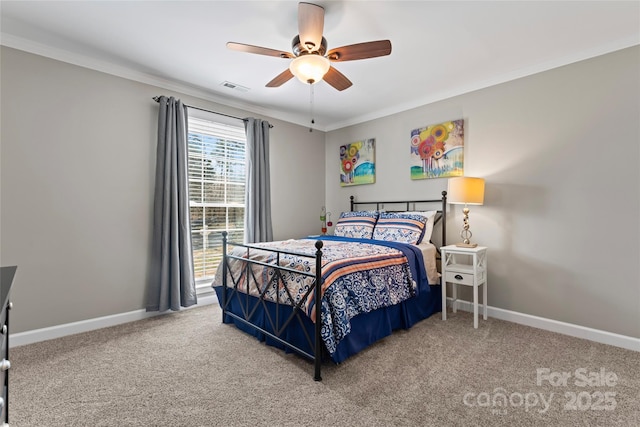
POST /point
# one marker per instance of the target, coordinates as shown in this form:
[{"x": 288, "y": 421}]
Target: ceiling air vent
[{"x": 234, "y": 86}]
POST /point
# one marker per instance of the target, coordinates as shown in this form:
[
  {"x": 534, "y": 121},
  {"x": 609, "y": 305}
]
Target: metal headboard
[{"x": 410, "y": 205}]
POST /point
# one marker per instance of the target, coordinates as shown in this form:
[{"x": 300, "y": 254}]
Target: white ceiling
[{"x": 439, "y": 48}]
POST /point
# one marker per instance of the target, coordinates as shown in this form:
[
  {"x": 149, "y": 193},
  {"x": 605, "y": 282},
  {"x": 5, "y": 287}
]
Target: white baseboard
[
  {"x": 570, "y": 329},
  {"x": 37, "y": 335}
]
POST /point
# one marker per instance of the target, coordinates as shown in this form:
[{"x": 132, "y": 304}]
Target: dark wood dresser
[{"x": 6, "y": 279}]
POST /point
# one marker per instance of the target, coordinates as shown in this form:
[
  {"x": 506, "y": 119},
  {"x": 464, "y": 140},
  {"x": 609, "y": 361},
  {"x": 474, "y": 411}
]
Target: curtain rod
[{"x": 157, "y": 99}]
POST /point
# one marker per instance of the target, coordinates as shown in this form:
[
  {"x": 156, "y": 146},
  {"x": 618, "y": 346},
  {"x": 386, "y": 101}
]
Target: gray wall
[
  {"x": 559, "y": 150},
  {"x": 77, "y": 168},
  {"x": 560, "y": 154}
]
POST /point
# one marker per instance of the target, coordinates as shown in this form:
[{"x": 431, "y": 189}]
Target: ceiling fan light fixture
[
  {"x": 309, "y": 68},
  {"x": 311, "y": 62}
]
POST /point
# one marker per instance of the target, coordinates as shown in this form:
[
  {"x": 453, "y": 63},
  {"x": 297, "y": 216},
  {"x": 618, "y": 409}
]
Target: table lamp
[{"x": 465, "y": 191}]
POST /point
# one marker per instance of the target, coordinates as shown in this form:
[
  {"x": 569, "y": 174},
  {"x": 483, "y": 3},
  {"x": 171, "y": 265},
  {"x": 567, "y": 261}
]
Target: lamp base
[
  {"x": 466, "y": 245},
  {"x": 466, "y": 234}
]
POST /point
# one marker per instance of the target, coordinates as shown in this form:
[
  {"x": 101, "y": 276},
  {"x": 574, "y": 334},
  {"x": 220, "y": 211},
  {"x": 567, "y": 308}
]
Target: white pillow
[{"x": 428, "y": 228}]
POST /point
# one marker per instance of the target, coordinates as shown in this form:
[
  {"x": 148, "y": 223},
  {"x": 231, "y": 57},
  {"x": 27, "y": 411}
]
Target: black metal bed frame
[
  {"x": 316, "y": 287},
  {"x": 276, "y": 324}
]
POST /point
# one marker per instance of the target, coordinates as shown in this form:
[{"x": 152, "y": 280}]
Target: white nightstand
[{"x": 464, "y": 266}]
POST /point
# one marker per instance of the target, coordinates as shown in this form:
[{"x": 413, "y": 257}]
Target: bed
[{"x": 374, "y": 276}]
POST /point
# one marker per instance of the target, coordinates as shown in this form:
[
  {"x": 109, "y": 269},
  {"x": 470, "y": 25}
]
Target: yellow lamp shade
[{"x": 465, "y": 190}]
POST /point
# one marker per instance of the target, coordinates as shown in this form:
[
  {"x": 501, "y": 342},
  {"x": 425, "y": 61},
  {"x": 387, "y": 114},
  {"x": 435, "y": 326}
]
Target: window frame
[{"x": 235, "y": 128}]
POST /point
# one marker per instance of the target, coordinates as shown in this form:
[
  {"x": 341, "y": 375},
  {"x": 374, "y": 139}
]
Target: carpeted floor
[{"x": 187, "y": 369}]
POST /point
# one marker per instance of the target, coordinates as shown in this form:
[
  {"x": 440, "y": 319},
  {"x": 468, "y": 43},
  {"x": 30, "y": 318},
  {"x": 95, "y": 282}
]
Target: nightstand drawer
[{"x": 462, "y": 278}]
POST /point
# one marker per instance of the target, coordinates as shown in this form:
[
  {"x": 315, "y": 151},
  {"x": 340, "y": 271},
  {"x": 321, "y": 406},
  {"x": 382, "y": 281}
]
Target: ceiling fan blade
[
  {"x": 241, "y": 47},
  {"x": 336, "y": 79},
  {"x": 280, "y": 79},
  {"x": 360, "y": 51},
  {"x": 310, "y": 25}
]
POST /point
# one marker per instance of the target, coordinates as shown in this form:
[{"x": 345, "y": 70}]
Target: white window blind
[{"x": 216, "y": 190}]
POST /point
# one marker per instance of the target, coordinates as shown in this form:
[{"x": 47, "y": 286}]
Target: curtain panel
[
  {"x": 171, "y": 279},
  {"x": 257, "y": 225}
]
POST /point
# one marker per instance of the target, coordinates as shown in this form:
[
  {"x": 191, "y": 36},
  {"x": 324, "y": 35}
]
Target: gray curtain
[
  {"x": 172, "y": 281},
  {"x": 257, "y": 218}
]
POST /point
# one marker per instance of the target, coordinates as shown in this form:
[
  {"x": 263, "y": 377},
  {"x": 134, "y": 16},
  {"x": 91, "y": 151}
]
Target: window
[{"x": 216, "y": 190}]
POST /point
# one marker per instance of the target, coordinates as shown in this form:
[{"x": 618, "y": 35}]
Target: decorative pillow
[
  {"x": 428, "y": 229},
  {"x": 357, "y": 224},
  {"x": 400, "y": 227}
]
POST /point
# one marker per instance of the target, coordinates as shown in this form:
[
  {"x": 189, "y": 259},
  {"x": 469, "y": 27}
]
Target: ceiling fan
[{"x": 311, "y": 61}]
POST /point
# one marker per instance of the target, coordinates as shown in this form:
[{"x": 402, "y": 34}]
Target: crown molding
[
  {"x": 20, "y": 43},
  {"x": 483, "y": 84},
  {"x": 30, "y": 46}
]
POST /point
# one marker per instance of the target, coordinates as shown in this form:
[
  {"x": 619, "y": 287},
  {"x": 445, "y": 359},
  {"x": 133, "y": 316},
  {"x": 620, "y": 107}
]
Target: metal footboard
[{"x": 249, "y": 309}]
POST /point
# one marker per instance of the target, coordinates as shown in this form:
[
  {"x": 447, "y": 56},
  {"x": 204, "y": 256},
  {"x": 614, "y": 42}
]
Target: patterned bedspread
[{"x": 360, "y": 275}]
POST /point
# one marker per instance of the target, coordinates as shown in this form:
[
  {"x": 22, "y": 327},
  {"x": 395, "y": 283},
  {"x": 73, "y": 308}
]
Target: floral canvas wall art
[
  {"x": 437, "y": 151},
  {"x": 357, "y": 163}
]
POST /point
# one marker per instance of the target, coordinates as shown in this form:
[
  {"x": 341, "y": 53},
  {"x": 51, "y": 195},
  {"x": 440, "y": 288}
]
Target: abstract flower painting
[
  {"x": 357, "y": 163},
  {"x": 437, "y": 151}
]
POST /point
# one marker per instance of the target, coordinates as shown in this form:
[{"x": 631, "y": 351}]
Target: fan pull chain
[{"x": 311, "y": 107}]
